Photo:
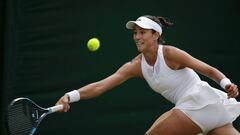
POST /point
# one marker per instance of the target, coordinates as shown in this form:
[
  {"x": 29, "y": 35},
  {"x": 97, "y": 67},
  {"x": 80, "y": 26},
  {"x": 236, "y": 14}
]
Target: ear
[{"x": 156, "y": 35}]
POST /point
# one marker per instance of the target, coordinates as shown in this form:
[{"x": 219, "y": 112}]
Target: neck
[{"x": 151, "y": 55}]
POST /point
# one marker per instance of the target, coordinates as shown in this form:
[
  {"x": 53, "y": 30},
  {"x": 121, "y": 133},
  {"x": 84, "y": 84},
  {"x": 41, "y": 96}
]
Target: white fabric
[
  {"x": 206, "y": 106},
  {"x": 224, "y": 82},
  {"x": 172, "y": 84},
  {"x": 145, "y": 23},
  {"x": 74, "y": 96}
]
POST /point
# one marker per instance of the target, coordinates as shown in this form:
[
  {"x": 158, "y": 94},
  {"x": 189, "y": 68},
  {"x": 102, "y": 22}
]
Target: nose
[{"x": 137, "y": 36}]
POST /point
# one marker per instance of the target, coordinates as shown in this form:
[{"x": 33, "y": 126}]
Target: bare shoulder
[
  {"x": 133, "y": 67},
  {"x": 170, "y": 50},
  {"x": 137, "y": 59},
  {"x": 175, "y": 57}
]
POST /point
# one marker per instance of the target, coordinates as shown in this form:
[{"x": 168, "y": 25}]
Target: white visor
[{"x": 145, "y": 23}]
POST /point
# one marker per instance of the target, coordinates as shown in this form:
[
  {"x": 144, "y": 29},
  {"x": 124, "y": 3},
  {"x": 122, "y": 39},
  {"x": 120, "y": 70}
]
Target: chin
[{"x": 140, "y": 50}]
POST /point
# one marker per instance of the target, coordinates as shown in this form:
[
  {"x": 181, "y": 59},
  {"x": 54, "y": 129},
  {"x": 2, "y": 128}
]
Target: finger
[
  {"x": 59, "y": 101},
  {"x": 65, "y": 99},
  {"x": 233, "y": 94},
  {"x": 66, "y": 108},
  {"x": 230, "y": 94},
  {"x": 230, "y": 88},
  {"x": 236, "y": 91},
  {"x": 227, "y": 87},
  {"x": 237, "y": 94}
]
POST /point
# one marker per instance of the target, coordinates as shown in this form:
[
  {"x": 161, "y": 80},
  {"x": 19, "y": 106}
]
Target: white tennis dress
[{"x": 206, "y": 106}]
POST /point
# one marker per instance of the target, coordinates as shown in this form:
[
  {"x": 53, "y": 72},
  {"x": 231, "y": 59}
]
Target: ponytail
[{"x": 163, "y": 22}]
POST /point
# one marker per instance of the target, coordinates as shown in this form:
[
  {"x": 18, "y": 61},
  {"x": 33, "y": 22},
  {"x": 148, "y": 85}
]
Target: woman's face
[{"x": 144, "y": 38}]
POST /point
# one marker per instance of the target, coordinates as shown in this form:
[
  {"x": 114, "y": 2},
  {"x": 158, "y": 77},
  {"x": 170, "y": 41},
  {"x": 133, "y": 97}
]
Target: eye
[{"x": 142, "y": 32}]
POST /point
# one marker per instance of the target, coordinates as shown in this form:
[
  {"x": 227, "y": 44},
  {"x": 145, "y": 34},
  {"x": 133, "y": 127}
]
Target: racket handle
[{"x": 55, "y": 108}]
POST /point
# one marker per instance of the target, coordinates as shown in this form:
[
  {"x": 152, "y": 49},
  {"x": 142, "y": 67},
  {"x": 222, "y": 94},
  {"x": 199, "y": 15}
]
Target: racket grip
[{"x": 55, "y": 108}]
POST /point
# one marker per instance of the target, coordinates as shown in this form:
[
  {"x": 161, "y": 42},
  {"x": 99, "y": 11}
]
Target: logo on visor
[{"x": 138, "y": 19}]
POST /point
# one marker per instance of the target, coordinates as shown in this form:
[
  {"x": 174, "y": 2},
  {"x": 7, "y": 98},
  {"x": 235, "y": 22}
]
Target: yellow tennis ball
[{"x": 93, "y": 44}]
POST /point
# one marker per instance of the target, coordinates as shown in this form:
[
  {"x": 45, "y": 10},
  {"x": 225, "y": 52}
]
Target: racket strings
[{"x": 20, "y": 118}]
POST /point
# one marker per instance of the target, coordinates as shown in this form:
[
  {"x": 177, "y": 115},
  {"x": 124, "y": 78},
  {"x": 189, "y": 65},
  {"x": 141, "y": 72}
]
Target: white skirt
[{"x": 208, "y": 107}]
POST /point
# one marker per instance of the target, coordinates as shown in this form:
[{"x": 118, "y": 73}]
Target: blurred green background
[{"x": 44, "y": 55}]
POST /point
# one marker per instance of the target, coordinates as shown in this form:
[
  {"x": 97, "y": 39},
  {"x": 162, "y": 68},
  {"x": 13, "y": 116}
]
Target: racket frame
[{"x": 35, "y": 107}]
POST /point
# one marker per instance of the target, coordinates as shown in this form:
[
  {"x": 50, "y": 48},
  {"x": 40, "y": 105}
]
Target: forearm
[
  {"x": 90, "y": 91},
  {"x": 95, "y": 89},
  {"x": 86, "y": 92},
  {"x": 215, "y": 75}
]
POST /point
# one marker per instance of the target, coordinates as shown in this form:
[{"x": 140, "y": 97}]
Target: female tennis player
[{"x": 199, "y": 108}]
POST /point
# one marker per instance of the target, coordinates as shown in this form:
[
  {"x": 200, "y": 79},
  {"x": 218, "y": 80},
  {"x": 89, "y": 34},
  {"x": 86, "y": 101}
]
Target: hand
[
  {"x": 232, "y": 90},
  {"x": 64, "y": 100}
]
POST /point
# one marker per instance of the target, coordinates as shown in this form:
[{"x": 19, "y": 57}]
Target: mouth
[{"x": 138, "y": 44}]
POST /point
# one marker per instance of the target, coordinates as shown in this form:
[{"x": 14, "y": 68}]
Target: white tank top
[{"x": 172, "y": 84}]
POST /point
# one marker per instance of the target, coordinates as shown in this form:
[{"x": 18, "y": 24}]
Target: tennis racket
[{"x": 24, "y": 115}]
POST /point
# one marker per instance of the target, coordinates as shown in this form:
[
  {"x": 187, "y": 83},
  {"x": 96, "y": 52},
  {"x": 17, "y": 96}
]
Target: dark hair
[{"x": 163, "y": 22}]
